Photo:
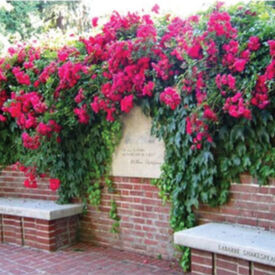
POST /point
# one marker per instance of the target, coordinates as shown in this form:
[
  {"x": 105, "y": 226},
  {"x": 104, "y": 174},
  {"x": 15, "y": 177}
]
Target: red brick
[
  {"x": 231, "y": 211},
  {"x": 136, "y": 193},
  {"x": 136, "y": 180},
  {"x": 242, "y": 196},
  {"x": 272, "y": 190},
  {"x": 243, "y": 270},
  {"x": 221, "y": 271},
  {"x": 196, "y": 259},
  {"x": 45, "y": 227},
  {"x": 201, "y": 253},
  {"x": 150, "y": 242},
  {"x": 232, "y": 266},
  {"x": 197, "y": 269},
  {"x": 247, "y": 221},
  {"x": 263, "y": 198}
]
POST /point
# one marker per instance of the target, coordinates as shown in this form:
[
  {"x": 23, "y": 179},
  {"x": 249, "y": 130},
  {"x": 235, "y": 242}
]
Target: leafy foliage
[{"x": 113, "y": 215}]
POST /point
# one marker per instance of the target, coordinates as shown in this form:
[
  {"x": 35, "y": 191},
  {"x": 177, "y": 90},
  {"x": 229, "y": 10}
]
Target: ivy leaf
[{"x": 237, "y": 133}]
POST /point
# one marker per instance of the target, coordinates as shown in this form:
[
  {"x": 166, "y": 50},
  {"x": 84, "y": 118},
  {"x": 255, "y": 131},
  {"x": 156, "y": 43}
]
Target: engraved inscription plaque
[{"x": 139, "y": 154}]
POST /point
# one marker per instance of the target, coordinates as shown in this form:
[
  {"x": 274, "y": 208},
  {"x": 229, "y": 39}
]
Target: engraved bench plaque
[{"x": 138, "y": 154}]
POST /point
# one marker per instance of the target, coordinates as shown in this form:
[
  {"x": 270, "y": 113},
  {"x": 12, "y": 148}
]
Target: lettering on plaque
[{"x": 139, "y": 154}]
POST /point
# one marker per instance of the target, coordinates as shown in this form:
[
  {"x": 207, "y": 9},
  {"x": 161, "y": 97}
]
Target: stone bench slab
[
  {"x": 38, "y": 209},
  {"x": 244, "y": 242}
]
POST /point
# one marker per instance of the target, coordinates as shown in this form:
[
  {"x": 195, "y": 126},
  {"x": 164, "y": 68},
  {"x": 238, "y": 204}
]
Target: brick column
[
  {"x": 12, "y": 230},
  {"x": 201, "y": 262}
]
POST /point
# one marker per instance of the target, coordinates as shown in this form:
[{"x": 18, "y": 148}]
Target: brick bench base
[
  {"x": 228, "y": 249},
  {"x": 37, "y": 223},
  {"x": 37, "y": 233},
  {"x": 207, "y": 263}
]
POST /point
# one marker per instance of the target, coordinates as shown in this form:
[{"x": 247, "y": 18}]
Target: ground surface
[{"x": 81, "y": 259}]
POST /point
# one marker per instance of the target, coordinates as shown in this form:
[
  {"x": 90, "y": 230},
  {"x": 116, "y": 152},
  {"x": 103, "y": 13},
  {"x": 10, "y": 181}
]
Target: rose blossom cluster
[
  {"x": 31, "y": 177},
  {"x": 132, "y": 59},
  {"x": 198, "y": 129},
  {"x": 220, "y": 24},
  {"x": 3, "y": 99},
  {"x": 122, "y": 72},
  {"x": 223, "y": 81},
  {"x": 260, "y": 95},
  {"x": 170, "y": 97},
  {"x": 27, "y": 108},
  {"x": 236, "y": 107}
]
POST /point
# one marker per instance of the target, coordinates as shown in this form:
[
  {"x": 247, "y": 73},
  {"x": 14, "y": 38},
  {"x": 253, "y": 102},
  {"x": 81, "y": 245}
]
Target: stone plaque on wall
[{"x": 138, "y": 154}]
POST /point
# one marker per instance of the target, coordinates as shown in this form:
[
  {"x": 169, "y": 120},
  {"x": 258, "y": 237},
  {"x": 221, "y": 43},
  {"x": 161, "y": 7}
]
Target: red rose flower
[
  {"x": 54, "y": 184},
  {"x": 155, "y": 8},
  {"x": 95, "y": 21},
  {"x": 271, "y": 44},
  {"x": 239, "y": 65},
  {"x": 126, "y": 104},
  {"x": 253, "y": 43},
  {"x": 209, "y": 114},
  {"x": 170, "y": 97}
]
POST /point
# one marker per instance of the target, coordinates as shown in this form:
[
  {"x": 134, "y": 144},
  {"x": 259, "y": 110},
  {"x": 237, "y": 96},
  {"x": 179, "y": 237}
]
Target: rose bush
[{"x": 207, "y": 81}]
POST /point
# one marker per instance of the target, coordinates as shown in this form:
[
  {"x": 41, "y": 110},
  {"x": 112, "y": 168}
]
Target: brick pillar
[
  {"x": 29, "y": 231},
  {"x": 243, "y": 267},
  {"x": 201, "y": 262},
  {"x": 12, "y": 229},
  {"x": 45, "y": 234},
  {"x": 225, "y": 265}
]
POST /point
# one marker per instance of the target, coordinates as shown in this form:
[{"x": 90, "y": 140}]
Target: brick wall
[
  {"x": 249, "y": 204},
  {"x": 42, "y": 234},
  {"x": 144, "y": 225},
  {"x": 11, "y": 185}
]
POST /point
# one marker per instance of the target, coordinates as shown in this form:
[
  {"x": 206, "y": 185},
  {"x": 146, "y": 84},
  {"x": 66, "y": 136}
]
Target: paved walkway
[{"x": 81, "y": 259}]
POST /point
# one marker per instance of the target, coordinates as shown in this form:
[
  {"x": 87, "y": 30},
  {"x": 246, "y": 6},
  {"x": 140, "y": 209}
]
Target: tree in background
[
  {"x": 64, "y": 15},
  {"x": 21, "y": 20}
]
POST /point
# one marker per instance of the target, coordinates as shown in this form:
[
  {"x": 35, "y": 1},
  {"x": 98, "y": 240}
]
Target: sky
[{"x": 178, "y": 7}]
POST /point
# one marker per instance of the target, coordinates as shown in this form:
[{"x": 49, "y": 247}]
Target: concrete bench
[
  {"x": 38, "y": 223},
  {"x": 248, "y": 243}
]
